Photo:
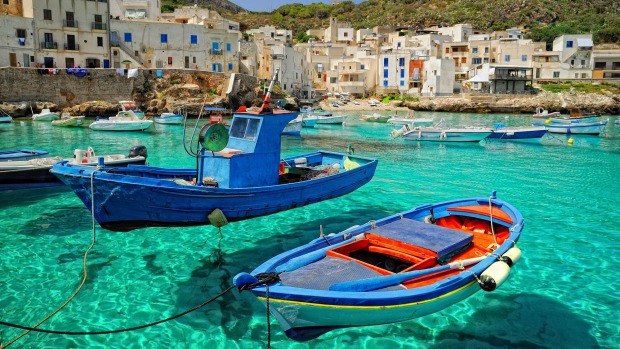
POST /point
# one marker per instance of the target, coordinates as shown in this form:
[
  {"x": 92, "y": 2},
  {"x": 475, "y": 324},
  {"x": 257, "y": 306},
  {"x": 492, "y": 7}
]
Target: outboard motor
[{"x": 138, "y": 150}]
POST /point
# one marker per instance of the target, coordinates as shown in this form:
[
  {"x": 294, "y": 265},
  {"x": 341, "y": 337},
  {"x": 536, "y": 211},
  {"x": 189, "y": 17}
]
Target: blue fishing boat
[
  {"x": 401, "y": 267},
  {"x": 239, "y": 175},
  {"x": 517, "y": 133},
  {"x": 22, "y": 154}
]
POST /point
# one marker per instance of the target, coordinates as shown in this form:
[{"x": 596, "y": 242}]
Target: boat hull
[
  {"x": 22, "y": 154},
  {"x": 46, "y": 117},
  {"x": 31, "y": 177},
  {"x": 67, "y": 122},
  {"x": 155, "y": 199},
  {"x": 104, "y": 125},
  {"x": 518, "y": 133},
  {"x": 448, "y": 135},
  {"x": 169, "y": 119},
  {"x": 5, "y": 119},
  {"x": 330, "y": 120},
  {"x": 293, "y": 128},
  {"x": 583, "y": 128}
]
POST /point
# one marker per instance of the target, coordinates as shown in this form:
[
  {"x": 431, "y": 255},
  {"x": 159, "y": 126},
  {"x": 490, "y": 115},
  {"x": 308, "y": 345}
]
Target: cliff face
[{"x": 27, "y": 90}]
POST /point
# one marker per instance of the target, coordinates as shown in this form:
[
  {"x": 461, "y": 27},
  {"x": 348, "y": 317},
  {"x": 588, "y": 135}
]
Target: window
[
  {"x": 228, "y": 47},
  {"x": 583, "y": 62},
  {"x": 463, "y": 60},
  {"x": 447, "y": 50},
  {"x": 569, "y": 43},
  {"x": 486, "y": 50},
  {"x": 476, "y": 60},
  {"x": 402, "y": 73},
  {"x": 20, "y": 33},
  {"x": 193, "y": 39},
  {"x": 385, "y": 62},
  {"x": 507, "y": 58},
  {"x": 169, "y": 60},
  {"x": 194, "y": 59},
  {"x": 98, "y": 19},
  {"x": 216, "y": 67},
  {"x": 100, "y": 41},
  {"x": 576, "y": 75},
  {"x": 47, "y": 15},
  {"x": 230, "y": 66},
  {"x": 583, "y": 75},
  {"x": 215, "y": 48},
  {"x": 385, "y": 73},
  {"x": 523, "y": 58},
  {"x": 402, "y": 82},
  {"x": 5, "y": 2},
  {"x": 600, "y": 65},
  {"x": 362, "y": 67},
  {"x": 556, "y": 74},
  {"x": 401, "y": 62},
  {"x": 127, "y": 37},
  {"x": 163, "y": 38},
  {"x": 385, "y": 83},
  {"x": 244, "y": 128},
  {"x": 474, "y": 50}
]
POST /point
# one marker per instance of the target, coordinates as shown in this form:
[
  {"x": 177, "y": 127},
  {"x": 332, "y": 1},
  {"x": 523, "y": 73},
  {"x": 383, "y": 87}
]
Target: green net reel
[{"x": 213, "y": 137}]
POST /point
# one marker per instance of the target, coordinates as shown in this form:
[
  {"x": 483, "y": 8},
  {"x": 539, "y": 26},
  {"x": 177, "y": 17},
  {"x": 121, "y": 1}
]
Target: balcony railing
[
  {"x": 215, "y": 51},
  {"x": 72, "y": 47},
  {"x": 48, "y": 45},
  {"x": 69, "y": 23},
  {"x": 509, "y": 77},
  {"x": 99, "y": 26}
]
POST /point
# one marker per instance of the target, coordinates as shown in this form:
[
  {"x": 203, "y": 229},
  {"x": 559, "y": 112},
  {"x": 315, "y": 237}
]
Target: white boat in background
[
  {"x": 123, "y": 121},
  {"x": 169, "y": 119},
  {"x": 131, "y": 105},
  {"x": 4, "y": 117},
  {"x": 331, "y": 120},
  {"x": 67, "y": 119},
  {"x": 293, "y": 128},
  {"x": 544, "y": 113},
  {"x": 375, "y": 117},
  {"x": 583, "y": 128},
  {"x": 308, "y": 120},
  {"x": 440, "y": 133},
  {"x": 45, "y": 115}
]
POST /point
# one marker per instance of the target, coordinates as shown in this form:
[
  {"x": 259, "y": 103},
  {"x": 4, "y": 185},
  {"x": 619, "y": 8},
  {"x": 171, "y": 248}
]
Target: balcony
[
  {"x": 48, "y": 45},
  {"x": 99, "y": 26},
  {"x": 72, "y": 47},
  {"x": 69, "y": 23},
  {"x": 277, "y": 56},
  {"x": 351, "y": 83},
  {"x": 511, "y": 77},
  {"x": 215, "y": 51}
]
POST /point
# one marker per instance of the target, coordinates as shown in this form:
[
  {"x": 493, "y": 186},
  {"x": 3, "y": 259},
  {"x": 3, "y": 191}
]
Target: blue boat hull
[
  {"x": 144, "y": 196},
  {"x": 514, "y": 134},
  {"x": 22, "y": 154}
]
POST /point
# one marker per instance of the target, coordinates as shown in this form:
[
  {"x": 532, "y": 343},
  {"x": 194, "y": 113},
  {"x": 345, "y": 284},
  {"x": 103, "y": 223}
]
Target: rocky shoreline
[{"x": 189, "y": 98}]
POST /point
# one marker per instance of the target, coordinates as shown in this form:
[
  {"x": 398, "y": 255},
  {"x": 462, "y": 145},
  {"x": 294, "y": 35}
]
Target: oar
[
  {"x": 298, "y": 262},
  {"x": 376, "y": 283}
]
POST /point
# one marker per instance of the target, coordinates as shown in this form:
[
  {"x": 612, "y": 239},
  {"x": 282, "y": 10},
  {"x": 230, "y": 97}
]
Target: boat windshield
[{"x": 244, "y": 128}]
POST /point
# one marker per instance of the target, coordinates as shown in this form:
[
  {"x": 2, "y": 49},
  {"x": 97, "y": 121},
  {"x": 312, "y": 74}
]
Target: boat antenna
[{"x": 265, "y": 107}]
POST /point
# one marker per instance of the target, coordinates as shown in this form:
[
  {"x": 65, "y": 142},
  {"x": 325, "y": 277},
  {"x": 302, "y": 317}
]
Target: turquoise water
[{"x": 562, "y": 294}]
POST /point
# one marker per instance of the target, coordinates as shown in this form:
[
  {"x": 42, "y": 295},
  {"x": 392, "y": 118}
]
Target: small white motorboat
[
  {"x": 123, "y": 121},
  {"x": 542, "y": 113},
  {"x": 131, "y": 105},
  {"x": 67, "y": 119},
  {"x": 375, "y": 117},
  {"x": 45, "y": 115},
  {"x": 169, "y": 119},
  {"x": 440, "y": 133}
]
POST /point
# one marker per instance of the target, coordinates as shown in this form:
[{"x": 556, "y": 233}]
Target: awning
[{"x": 584, "y": 42}]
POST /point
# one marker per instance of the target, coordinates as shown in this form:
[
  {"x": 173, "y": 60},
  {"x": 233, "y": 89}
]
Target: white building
[
  {"x": 438, "y": 77},
  {"x": 576, "y": 56},
  {"x": 135, "y": 9},
  {"x": 17, "y": 43}
]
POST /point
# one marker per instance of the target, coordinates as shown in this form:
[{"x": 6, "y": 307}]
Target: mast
[{"x": 265, "y": 106}]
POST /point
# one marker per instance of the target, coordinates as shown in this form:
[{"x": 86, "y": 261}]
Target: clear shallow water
[{"x": 562, "y": 294}]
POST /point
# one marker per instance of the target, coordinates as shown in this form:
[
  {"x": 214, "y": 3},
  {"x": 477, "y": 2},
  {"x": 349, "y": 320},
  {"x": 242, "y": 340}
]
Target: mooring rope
[
  {"x": 84, "y": 333},
  {"x": 92, "y": 244}
]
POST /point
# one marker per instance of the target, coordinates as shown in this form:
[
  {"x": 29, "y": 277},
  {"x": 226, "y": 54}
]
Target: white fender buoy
[
  {"x": 511, "y": 256},
  {"x": 494, "y": 276}
]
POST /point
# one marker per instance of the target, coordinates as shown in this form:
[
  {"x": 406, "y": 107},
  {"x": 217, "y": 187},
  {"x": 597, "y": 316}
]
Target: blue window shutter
[
  {"x": 164, "y": 38},
  {"x": 228, "y": 47},
  {"x": 193, "y": 39},
  {"x": 569, "y": 43},
  {"x": 524, "y": 58},
  {"x": 402, "y": 73},
  {"x": 362, "y": 66},
  {"x": 385, "y": 73},
  {"x": 507, "y": 58},
  {"x": 384, "y": 82},
  {"x": 230, "y": 66},
  {"x": 402, "y": 82},
  {"x": 215, "y": 45},
  {"x": 127, "y": 37},
  {"x": 401, "y": 62},
  {"x": 385, "y": 62}
]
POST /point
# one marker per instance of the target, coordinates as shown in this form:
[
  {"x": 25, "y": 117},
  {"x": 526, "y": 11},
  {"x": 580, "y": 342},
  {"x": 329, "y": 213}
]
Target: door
[
  {"x": 70, "y": 42},
  {"x": 48, "y": 62},
  {"x": 26, "y": 60},
  {"x": 186, "y": 62},
  {"x": 69, "y": 62},
  {"x": 13, "y": 59}
]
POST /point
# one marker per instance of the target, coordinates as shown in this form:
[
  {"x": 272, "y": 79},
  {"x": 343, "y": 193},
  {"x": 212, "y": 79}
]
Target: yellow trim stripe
[{"x": 368, "y": 307}]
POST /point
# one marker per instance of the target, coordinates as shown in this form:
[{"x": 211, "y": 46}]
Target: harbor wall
[{"x": 65, "y": 89}]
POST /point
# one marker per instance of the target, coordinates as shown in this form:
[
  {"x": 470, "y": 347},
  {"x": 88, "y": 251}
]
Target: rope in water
[
  {"x": 84, "y": 333},
  {"x": 92, "y": 244}
]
